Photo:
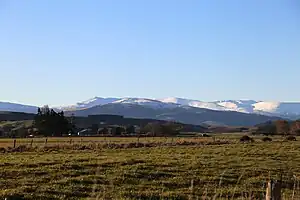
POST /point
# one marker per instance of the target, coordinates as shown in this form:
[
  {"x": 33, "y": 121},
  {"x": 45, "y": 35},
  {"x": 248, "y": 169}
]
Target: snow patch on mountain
[
  {"x": 146, "y": 102},
  {"x": 283, "y": 108},
  {"x": 266, "y": 106},
  {"x": 229, "y": 105},
  {"x": 207, "y": 105},
  {"x": 96, "y": 101},
  {"x": 193, "y": 103},
  {"x": 245, "y": 106},
  {"x": 175, "y": 100}
]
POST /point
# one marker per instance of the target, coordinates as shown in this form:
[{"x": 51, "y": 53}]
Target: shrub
[
  {"x": 267, "y": 139},
  {"x": 246, "y": 138},
  {"x": 2, "y": 150},
  {"x": 291, "y": 138}
]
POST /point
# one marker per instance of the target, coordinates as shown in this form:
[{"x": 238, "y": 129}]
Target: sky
[{"x": 60, "y": 52}]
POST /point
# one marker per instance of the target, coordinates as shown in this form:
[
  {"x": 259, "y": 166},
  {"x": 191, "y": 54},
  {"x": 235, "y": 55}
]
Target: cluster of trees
[
  {"x": 165, "y": 129},
  {"x": 279, "y": 127},
  {"x": 117, "y": 130},
  {"x": 46, "y": 122},
  {"x": 51, "y": 123},
  {"x": 150, "y": 129}
]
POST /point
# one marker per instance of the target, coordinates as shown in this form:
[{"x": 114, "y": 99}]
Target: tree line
[
  {"x": 150, "y": 129},
  {"x": 49, "y": 123},
  {"x": 279, "y": 127}
]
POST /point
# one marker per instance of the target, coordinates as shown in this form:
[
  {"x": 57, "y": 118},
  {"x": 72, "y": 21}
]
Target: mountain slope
[
  {"x": 146, "y": 102},
  {"x": 188, "y": 115},
  {"x": 14, "y": 107},
  {"x": 246, "y": 106},
  {"x": 194, "y": 103},
  {"x": 89, "y": 103},
  {"x": 102, "y": 101}
]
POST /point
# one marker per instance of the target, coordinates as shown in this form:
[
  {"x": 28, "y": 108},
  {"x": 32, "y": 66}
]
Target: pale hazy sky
[{"x": 60, "y": 52}]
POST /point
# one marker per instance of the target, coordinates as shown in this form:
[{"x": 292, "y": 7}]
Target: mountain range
[
  {"x": 287, "y": 109},
  {"x": 226, "y": 112}
]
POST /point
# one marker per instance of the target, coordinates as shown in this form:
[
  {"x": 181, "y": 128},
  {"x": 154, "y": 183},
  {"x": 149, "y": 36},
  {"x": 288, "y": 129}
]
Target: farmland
[
  {"x": 200, "y": 168},
  {"x": 56, "y": 141}
]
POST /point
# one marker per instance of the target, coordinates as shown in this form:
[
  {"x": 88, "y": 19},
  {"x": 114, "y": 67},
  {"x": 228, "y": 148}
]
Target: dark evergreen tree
[
  {"x": 267, "y": 129},
  {"x": 103, "y": 131},
  {"x": 130, "y": 129},
  {"x": 94, "y": 128},
  {"x": 153, "y": 129},
  {"x": 50, "y": 123},
  {"x": 170, "y": 129},
  {"x": 117, "y": 131}
]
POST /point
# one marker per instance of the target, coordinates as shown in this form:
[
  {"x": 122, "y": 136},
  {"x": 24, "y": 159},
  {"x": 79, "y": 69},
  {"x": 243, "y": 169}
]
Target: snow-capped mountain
[
  {"x": 96, "y": 101},
  {"x": 245, "y": 106},
  {"x": 286, "y": 109},
  {"x": 194, "y": 103},
  {"x": 147, "y": 102},
  {"x": 183, "y": 114}
]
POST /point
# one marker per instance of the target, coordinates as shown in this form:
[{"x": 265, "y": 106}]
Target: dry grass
[
  {"x": 8, "y": 142},
  {"x": 227, "y": 171},
  {"x": 40, "y": 142}
]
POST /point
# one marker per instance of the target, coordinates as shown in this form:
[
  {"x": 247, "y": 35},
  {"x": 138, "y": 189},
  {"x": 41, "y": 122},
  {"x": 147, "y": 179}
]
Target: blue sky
[{"x": 60, "y": 52}]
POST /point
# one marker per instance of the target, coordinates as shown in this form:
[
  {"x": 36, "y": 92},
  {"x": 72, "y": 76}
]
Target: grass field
[
  {"x": 233, "y": 138},
  {"x": 228, "y": 171},
  {"x": 8, "y": 142}
]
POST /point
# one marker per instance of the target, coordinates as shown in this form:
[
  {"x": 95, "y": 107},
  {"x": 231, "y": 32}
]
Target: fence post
[
  {"x": 15, "y": 141},
  {"x": 138, "y": 139},
  {"x": 46, "y": 141},
  {"x": 70, "y": 141},
  {"x": 31, "y": 143},
  {"x": 273, "y": 191}
]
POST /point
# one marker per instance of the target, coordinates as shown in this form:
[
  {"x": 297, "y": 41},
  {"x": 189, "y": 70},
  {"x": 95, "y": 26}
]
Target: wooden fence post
[
  {"x": 138, "y": 139},
  {"x": 46, "y": 141},
  {"x": 273, "y": 191},
  {"x": 31, "y": 143},
  {"x": 15, "y": 141}
]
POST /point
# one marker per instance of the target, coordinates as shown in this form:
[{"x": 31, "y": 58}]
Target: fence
[{"x": 273, "y": 191}]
